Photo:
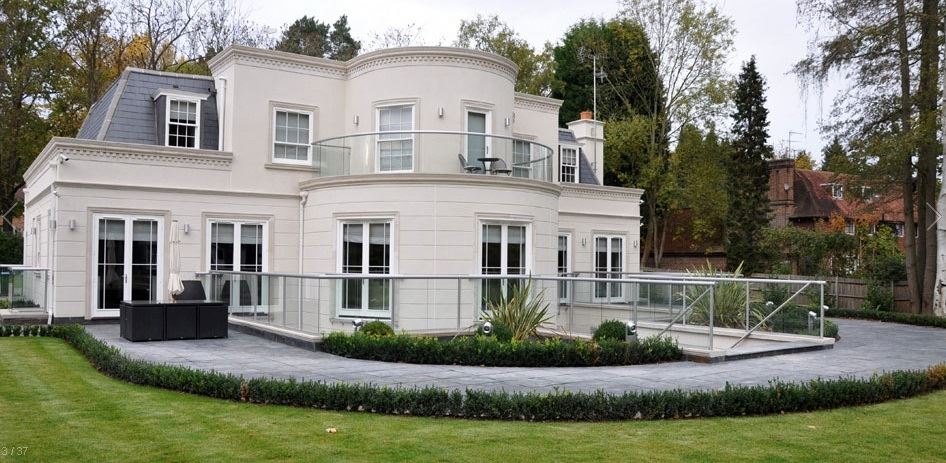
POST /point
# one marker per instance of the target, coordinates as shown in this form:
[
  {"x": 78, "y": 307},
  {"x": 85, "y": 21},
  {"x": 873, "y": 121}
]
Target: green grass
[{"x": 53, "y": 402}]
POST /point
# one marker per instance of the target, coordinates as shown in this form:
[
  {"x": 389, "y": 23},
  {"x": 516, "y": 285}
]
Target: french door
[
  {"x": 609, "y": 263},
  {"x": 129, "y": 261},
  {"x": 237, "y": 246}
]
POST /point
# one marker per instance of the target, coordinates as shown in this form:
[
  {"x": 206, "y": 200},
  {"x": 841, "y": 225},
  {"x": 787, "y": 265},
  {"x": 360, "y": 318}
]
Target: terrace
[{"x": 432, "y": 152}]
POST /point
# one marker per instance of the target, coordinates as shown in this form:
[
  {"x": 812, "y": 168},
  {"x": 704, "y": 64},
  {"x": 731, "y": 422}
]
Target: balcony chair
[
  {"x": 499, "y": 167},
  {"x": 468, "y": 168}
]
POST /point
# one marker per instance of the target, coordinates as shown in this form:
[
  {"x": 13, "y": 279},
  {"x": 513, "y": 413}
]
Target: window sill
[{"x": 298, "y": 167}]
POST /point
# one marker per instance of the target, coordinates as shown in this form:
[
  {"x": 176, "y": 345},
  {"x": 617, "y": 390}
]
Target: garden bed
[{"x": 490, "y": 351}]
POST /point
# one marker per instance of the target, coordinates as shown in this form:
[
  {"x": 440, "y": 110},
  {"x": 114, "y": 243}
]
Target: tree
[
  {"x": 890, "y": 52},
  {"x": 342, "y": 45},
  {"x": 490, "y": 34},
  {"x": 309, "y": 36},
  {"x": 156, "y": 30},
  {"x": 701, "y": 163},
  {"x": 407, "y": 36},
  {"x": 749, "y": 174},
  {"x": 804, "y": 161},
  {"x": 689, "y": 43},
  {"x": 629, "y": 84},
  {"x": 31, "y": 53},
  {"x": 835, "y": 159}
]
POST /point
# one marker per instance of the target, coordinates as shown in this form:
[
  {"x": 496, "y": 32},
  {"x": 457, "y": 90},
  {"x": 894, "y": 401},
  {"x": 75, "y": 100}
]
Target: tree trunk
[
  {"x": 909, "y": 226},
  {"x": 928, "y": 97}
]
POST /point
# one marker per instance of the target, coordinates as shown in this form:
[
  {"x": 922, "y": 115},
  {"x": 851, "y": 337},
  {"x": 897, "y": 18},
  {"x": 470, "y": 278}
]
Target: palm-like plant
[
  {"x": 729, "y": 298},
  {"x": 521, "y": 313}
]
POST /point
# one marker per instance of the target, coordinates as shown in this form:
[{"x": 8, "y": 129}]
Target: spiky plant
[
  {"x": 729, "y": 298},
  {"x": 518, "y": 311}
]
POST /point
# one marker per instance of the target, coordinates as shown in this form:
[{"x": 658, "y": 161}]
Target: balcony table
[{"x": 487, "y": 163}]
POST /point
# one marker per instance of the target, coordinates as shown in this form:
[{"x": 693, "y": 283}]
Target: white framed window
[
  {"x": 183, "y": 122},
  {"x": 564, "y": 265},
  {"x": 850, "y": 228},
  {"x": 238, "y": 246},
  {"x": 569, "y": 166},
  {"x": 365, "y": 249},
  {"x": 504, "y": 250},
  {"x": 292, "y": 134},
  {"x": 395, "y": 150},
  {"x": 521, "y": 159},
  {"x": 609, "y": 263},
  {"x": 836, "y": 190},
  {"x": 898, "y": 230}
]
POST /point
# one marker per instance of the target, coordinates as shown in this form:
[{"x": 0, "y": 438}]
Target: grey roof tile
[{"x": 586, "y": 174}]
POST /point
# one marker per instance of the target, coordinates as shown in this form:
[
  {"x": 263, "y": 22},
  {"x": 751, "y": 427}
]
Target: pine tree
[
  {"x": 749, "y": 174},
  {"x": 836, "y": 159}
]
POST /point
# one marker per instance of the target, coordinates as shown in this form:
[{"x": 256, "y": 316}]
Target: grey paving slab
[{"x": 865, "y": 348}]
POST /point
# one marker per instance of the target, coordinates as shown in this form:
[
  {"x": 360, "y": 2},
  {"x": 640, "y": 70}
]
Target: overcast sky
[{"x": 766, "y": 28}]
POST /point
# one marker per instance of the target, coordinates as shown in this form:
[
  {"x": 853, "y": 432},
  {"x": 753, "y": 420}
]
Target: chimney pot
[{"x": 586, "y": 115}]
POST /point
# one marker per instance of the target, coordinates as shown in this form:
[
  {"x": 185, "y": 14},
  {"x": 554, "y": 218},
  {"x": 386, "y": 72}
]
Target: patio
[{"x": 866, "y": 348}]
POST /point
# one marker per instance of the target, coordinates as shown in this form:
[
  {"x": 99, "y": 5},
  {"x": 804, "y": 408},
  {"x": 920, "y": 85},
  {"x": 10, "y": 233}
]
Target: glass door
[
  {"x": 477, "y": 146},
  {"x": 128, "y": 261}
]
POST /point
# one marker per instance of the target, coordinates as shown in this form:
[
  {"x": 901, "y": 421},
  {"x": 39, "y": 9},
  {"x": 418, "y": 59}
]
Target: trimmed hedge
[
  {"x": 490, "y": 351},
  {"x": 777, "y": 397},
  {"x": 895, "y": 317},
  {"x": 615, "y": 330}
]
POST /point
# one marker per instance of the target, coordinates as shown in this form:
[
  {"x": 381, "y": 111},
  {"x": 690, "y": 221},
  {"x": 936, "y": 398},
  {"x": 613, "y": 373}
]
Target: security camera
[
  {"x": 487, "y": 328},
  {"x": 63, "y": 158},
  {"x": 358, "y": 323}
]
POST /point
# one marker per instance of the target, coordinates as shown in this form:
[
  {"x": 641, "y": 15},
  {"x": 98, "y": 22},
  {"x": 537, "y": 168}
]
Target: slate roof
[
  {"x": 586, "y": 174},
  {"x": 126, "y": 112}
]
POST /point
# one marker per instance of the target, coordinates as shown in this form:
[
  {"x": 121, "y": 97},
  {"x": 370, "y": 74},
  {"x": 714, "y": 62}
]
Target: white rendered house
[{"x": 407, "y": 161}]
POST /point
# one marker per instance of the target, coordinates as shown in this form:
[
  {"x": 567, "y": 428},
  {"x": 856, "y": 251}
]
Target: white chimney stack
[{"x": 590, "y": 134}]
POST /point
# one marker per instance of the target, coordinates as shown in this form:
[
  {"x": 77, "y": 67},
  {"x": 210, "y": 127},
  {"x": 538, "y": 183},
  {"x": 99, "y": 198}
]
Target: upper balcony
[{"x": 432, "y": 152}]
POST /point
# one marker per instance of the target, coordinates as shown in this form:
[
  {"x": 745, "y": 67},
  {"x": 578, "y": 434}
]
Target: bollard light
[{"x": 630, "y": 334}]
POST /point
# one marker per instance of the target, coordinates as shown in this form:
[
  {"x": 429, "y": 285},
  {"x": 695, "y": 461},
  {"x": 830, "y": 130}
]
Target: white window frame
[
  {"x": 620, "y": 297},
  {"x": 308, "y": 157},
  {"x": 565, "y": 288},
  {"x": 237, "y": 237},
  {"x": 364, "y": 312},
  {"x": 403, "y": 137},
  {"x": 167, "y": 120},
  {"x": 504, "y": 254},
  {"x": 850, "y": 228},
  {"x": 128, "y": 220},
  {"x": 528, "y": 168},
  {"x": 576, "y": 166},
  {"x": 898, "y": 229}
]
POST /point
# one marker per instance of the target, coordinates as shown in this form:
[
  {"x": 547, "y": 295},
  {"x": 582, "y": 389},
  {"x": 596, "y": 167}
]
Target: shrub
[
  {"x": 614, "y": 330},
  {"x": 729, "y": 300},
  {"x": 377, "y": 328},
  {"x": 733, "y": 400},
  {"x": 519, "y": 311},
  {"x": 878, "y": 297},
  {"x": 895, "y": 317},
  {"x": 490, "y": 351}
]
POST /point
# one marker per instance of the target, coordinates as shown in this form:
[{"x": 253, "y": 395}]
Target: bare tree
[
  {"x": 158, "y": 29},
  {"x": 407, "y": 36}
]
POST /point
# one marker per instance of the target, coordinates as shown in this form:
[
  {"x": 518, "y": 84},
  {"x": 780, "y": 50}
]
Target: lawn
[{"x": 58, "y": 407}]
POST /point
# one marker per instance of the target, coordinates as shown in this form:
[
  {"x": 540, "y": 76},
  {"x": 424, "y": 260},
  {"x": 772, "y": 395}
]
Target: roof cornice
[
  {"x": 537, "y": 103},
  {"x": 391, "y": 57}
]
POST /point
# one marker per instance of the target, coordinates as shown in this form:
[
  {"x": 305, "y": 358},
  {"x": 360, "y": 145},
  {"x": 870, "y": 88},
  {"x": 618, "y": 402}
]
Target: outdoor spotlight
[
  {"x": 825, "y": 307},
  {"x": 63, "y": 158},
  {"x": 769, "y": 304},
  {"x": 488, "y": 328},
  {"x": 812, "y": 314},
  {"x": 630, "y": 334},
  {"x": 358, "y": 323}
]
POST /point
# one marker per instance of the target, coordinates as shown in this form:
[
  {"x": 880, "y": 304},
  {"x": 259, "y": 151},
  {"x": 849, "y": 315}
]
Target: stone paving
[{"x": 865, "y": 348}]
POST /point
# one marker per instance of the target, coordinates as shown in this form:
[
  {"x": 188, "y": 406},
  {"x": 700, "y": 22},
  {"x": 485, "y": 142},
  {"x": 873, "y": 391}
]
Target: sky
[{"x": 768, "y": 29}]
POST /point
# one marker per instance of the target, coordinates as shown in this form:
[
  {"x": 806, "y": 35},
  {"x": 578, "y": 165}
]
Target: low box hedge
[
  {"x": 489, "y": 351},
  {"x": 894, "y": 317},
  {"x": 776, "y": 397}
]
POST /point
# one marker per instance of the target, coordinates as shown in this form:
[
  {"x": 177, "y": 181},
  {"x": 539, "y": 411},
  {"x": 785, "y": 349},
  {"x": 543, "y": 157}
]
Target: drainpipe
[
  {"x": 221, "y": 111},
  {"x": 303, "y": 197}
]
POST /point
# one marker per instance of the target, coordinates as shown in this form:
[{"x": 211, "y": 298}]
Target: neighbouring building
[
  {"x": 797, "y": 197},
  {"x": 406, "y": 161}
]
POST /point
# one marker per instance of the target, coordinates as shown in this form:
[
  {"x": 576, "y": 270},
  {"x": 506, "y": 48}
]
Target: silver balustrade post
[
  {"x": 821, "y": 309},
  {"x": 712, "y": 314},
  {"x": 301, "y": 289},
  {"x": 285, "y": 305},
  {"x": 747, "y": 306},
  {"x": 459, "y": 305}
]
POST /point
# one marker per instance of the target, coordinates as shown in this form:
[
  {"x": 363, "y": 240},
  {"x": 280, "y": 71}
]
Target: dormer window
[
  {"x": 836, "y": 190},
  {"x": 569, "y": 166},
  {"x": 183, "y": 122}
]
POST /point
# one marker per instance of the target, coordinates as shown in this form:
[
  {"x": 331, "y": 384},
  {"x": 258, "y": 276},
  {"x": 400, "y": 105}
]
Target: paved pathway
[{"x": 866, "y": 348}]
